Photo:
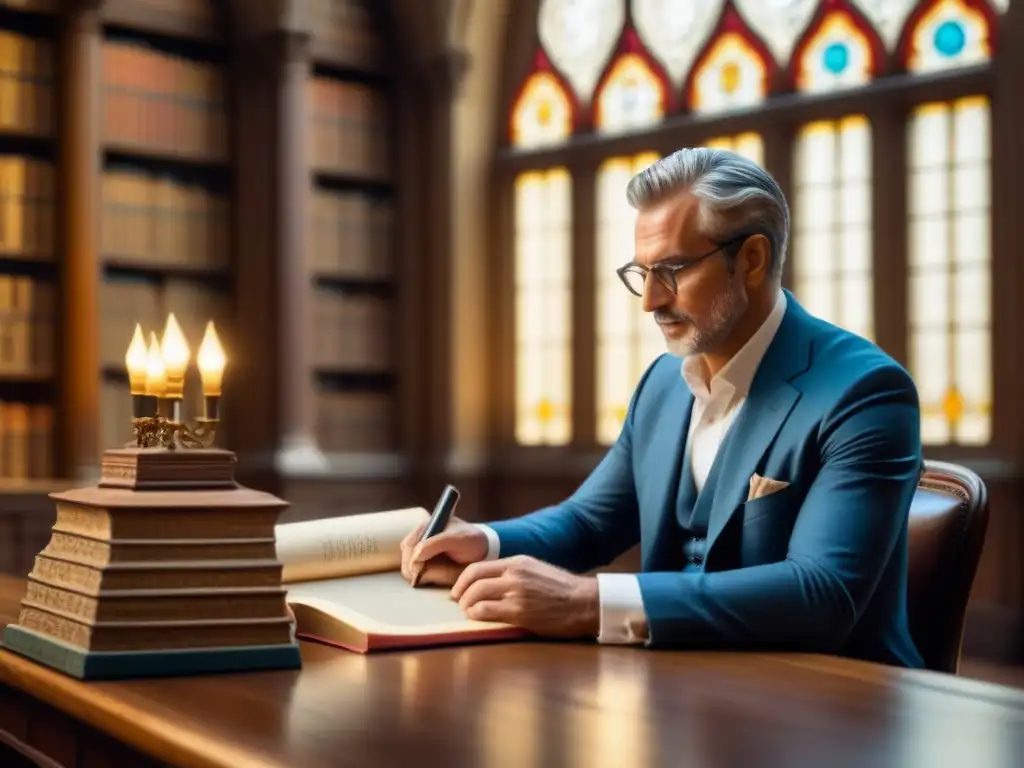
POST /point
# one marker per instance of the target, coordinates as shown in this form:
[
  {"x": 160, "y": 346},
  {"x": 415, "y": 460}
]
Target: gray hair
[{"x": 736, "y": 195}]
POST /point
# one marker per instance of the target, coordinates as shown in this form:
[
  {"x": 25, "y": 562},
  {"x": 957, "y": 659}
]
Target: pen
[{"x": 438, "y": 520}]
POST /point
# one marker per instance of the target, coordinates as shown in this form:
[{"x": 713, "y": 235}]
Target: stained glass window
[
  {"x": 543, "y": 282},
  {"x": 732, "y": 75},
  {"x": 838, "y": 55},
  {"x": 578, "y": 36},
  {"x": 627, "y": 338},
  {"x": 950, "y": 33},
  {"x": 950, "y": 262},
  {"x": 780, "y": 23},
  {"x": 632, "y": 97},
  {"x": 674, "y": 31},
  {"x": 888, "y": 17},
  {"x": 543, "y": 113},
  {"x": 832, "y": 222},
  {"x": 748, "y": 144}
]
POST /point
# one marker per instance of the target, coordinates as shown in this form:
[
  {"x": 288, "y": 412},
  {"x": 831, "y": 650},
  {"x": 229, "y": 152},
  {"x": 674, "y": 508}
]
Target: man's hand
[
  {"x": 443, "y": 556},
  {"x": 532, "y": 595}
]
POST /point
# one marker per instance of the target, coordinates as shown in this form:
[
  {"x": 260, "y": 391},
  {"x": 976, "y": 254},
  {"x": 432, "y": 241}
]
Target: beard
[{"x": 708, "y": 332}]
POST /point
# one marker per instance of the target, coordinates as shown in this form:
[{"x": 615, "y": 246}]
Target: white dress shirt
[{"x": 716, "y": 404}]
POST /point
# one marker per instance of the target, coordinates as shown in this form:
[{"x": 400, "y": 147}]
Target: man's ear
[{"x": 756, "y": 255}]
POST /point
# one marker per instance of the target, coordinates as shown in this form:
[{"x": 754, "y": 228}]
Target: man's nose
[{"x": 656, "y": 295}]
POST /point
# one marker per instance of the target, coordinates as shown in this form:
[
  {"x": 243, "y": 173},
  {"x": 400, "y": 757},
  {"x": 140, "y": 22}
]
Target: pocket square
[{"x": 764, "y": 486}]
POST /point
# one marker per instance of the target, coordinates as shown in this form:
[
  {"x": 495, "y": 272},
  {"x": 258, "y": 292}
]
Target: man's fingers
[
  {"x": 432, "y": 547},
  {"x": 484, "y": 589},
  {"x": 407, "y": 546},
  {"x": 491, "y": 610},
  {"x": 485, "y": 569},
  {"x": 440, "y": 572}
]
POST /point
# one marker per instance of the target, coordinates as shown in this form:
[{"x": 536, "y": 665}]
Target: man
[{"x": 767, "y": 480}]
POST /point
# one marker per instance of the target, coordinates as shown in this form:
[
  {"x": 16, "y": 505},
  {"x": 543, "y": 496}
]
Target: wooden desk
[{"x": 516, "y": 706}]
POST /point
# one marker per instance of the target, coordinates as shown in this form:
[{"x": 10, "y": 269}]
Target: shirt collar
[{"x": 736, "y": 375}]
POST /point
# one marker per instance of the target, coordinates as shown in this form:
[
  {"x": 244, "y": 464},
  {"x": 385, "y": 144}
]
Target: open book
[{"x": 344, "y": 582}]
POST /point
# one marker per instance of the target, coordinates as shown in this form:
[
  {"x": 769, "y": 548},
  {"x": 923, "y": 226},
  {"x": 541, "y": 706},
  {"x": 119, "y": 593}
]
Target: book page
[
  {"x": 383, "y": 598},
  {"x": 335, "y": 547}
]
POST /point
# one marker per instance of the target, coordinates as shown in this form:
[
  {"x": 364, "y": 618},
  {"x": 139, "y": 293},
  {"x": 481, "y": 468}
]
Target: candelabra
[{"x": 156, "y": 375}]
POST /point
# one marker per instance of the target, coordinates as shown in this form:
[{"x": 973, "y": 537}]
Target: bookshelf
[
  {"x": 165, "y": 229},
  {"x": 28, "y": 263},
  {"x": 352, "y": 238}
]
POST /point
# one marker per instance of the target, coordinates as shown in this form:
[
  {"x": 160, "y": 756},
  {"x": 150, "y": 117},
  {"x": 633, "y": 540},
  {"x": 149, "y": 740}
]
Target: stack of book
[{"x": 167, "y": 567}]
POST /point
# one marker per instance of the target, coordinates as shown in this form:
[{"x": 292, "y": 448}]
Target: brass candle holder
[{"x": 156, "y": 375}]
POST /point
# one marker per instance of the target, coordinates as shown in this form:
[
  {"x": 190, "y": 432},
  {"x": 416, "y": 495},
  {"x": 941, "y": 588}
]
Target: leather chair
[{"x": 948, "y": 521}]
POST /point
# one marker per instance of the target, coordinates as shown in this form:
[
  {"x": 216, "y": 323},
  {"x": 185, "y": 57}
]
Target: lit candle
[
  {"x": 156, "y": 373},
  {"x": 175, "y": 353},
  {"x": 211, "y": 362},
  {"x": 136, "y": 360}
]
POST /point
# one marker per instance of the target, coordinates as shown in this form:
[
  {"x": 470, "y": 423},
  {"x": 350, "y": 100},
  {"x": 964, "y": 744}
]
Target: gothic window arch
[{"x": 874, "y": 116}]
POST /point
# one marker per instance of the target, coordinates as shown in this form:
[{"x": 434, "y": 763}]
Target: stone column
[
  {"x": 298, "y": 450},
  {"x": 80, "y": 94}
]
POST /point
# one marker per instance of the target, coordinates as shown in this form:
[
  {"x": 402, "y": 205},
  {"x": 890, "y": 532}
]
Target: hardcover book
[{"x": 345, "y": 586}]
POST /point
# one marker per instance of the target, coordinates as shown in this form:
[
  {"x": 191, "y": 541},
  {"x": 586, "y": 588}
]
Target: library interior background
[{"x": 401, "y": 219}]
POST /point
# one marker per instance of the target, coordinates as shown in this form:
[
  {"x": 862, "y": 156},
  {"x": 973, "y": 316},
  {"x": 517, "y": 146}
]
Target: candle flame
[
  {"x": 156, "y": 373},
  {"x": 174, "y": 349},
  {"x": 211, "y": 361},
  {"x": 136, "y": 360}
]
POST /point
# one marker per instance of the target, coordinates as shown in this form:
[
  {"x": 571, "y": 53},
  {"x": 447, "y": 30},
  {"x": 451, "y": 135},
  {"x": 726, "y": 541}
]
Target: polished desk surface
[{"x": 518, "y": 705}]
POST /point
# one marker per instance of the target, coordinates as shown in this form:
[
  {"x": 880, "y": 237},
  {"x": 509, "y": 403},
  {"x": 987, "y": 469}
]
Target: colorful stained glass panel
[
  {"x": 628, "y": 340},
  {"x": 578, "y": 36},
  {"x": 780, "y": 23},
  {"x": 832, "y": 223},
  {"x": 950, "y": 270},
  {"x": 888, "y": 17},
  {"x": 949, "y": 34},
  {"x": 837, "y": 56},
  {"x": 733, "y": 75},
  {"x": 674, "y": 31},
  {"x": 543, "y": 114},
  {"x": 632, "y": 97},
  {"x": 543, "y": 291}
]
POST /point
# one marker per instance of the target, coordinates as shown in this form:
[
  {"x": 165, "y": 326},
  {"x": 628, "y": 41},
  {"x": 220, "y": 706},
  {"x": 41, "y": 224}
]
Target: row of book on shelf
[
  {"x": 350, "y": 129},
  {"x": 163, "y": 222},
  {"x": 26, "y": 441},
  {"x": 154, "y": 100},
  {"x": 347, "y": 28},
  {"x": 26, "y": 83},
  {"x": 353, "y": 331},
  {"x": 352, "y": 235},
  {"x": 157, "y": 100},
  {"x": 27, "y": 327},
  {"x": 27, "y": 206}
]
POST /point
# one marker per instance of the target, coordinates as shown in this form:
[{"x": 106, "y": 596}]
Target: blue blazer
[{"x": 820, "y": 566}]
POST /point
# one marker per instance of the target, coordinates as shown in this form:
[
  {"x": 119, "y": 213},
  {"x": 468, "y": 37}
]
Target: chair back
[{"x": 948, "y": 521}]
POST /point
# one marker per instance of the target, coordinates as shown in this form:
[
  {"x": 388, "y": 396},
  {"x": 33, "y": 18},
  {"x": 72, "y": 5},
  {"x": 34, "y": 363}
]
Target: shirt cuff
[
  {"x": 493, "y": 542},
  {"x": 623, "y": 620}
]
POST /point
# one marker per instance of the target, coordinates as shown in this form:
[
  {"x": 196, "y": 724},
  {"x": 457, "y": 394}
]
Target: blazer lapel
[
  {"x": 768, "y": 404},
  {"x": 666, "y": 447}
]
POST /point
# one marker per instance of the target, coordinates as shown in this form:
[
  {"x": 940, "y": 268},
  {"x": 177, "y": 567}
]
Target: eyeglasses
[{"x": 634, "y": 275}]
